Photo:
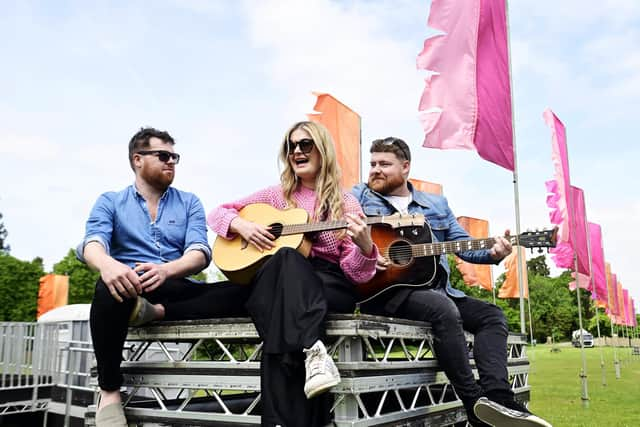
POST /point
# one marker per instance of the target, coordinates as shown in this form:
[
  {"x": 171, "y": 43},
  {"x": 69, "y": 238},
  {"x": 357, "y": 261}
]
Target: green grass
[{"x": 556, "y": 387}]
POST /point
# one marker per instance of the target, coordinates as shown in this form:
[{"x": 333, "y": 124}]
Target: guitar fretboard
[
  {"x": 456, "y": 246},
  {"x": 288, "y": 229}
]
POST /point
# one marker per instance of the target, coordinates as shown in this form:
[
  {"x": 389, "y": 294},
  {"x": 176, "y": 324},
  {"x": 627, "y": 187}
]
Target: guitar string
[{"x": 439, "y": 248}]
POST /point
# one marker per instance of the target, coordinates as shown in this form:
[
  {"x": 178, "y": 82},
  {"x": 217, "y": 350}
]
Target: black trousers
[
  {"x": 449, "y": 317},
  {"x": 182, "y": 299},
  {"x": 290, "y": 299}
]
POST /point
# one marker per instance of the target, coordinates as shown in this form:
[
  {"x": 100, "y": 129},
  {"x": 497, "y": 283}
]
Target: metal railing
[{"x": 28, "y": 357}]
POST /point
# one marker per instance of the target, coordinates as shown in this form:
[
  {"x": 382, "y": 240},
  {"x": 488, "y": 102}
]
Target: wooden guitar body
[
  {"x": 405, "y": 269},
  {"x": 240, "y": 261},
  {"x": 414, "y": 256}
]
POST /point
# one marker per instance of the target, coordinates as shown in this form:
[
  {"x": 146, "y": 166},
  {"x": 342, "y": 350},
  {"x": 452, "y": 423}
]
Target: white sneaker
[
  {"x": 322, "y": 373},
  {"x": 498, "y": 415}
]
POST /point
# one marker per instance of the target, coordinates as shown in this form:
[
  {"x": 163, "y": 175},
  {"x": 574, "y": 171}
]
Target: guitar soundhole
[
  {"x": 276, "y": 230},
  {"x": 400, "y": 253}
]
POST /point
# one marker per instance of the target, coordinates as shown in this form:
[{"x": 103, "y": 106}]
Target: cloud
[{"x": 21, "y": 148}]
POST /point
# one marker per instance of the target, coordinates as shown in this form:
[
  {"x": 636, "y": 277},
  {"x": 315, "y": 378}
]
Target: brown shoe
[
  {"x": 111, "y": 415},
  {"x": 143, "y": 312}
]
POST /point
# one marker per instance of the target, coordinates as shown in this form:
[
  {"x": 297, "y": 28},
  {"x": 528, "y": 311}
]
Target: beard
[
  {"x": 385, "y": 184},
  {"x": 158, "y": 179}
]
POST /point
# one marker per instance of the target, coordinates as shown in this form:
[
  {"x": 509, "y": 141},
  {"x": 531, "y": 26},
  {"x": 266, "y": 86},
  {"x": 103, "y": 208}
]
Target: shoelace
[{"x": 315, "y": 358}]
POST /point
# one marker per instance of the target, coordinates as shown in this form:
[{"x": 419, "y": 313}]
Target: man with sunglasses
[
  {"x": 489, "y": 401},
  {"x": 145, "y": 241}
]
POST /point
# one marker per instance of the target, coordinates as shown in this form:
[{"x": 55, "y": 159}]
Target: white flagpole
[
  {"x": 583, "y": 373},
  {"x": 516, "y": 197}
]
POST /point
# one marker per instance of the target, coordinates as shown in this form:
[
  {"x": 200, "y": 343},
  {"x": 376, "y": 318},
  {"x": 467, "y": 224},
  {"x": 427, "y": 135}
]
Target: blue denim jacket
[
  {"x": 120, "y": 222},
  {"x": 436, "y": 210}
]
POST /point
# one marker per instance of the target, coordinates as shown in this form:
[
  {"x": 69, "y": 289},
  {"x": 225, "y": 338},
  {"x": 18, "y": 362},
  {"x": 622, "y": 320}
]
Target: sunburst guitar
[
  {"x": 240, "y": 261},
  {"x": 414, "y": 257}
]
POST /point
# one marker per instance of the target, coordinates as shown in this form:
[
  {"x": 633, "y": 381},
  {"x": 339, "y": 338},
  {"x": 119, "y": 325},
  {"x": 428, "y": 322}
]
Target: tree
[
  {"x": 19, "y": 281},
  {"x": 538, "y": 266},
  {"x": 4, "y": 248},
  {"x": 82, "y": 280}
]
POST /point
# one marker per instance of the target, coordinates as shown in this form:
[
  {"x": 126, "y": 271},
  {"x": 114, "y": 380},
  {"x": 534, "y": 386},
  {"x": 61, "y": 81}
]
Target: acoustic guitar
[
  {"x": 240, "y": 261},
  {"x": 415, "y": 264}
]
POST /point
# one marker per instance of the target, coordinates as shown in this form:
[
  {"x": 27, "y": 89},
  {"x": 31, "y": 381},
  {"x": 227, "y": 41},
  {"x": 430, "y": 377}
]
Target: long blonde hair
[{"x": 329, "y": 204}]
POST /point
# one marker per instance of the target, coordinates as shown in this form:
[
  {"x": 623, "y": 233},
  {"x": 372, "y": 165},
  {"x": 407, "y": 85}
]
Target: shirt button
[{"x": 157, "y": 244}]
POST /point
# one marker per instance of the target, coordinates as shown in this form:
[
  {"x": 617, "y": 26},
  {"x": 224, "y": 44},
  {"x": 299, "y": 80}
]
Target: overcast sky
[{"x": 226, "y": 78}]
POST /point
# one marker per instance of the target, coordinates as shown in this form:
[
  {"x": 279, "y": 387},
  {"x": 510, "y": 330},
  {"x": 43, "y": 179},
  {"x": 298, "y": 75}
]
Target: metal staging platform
[{"x": 389, "y": 374}]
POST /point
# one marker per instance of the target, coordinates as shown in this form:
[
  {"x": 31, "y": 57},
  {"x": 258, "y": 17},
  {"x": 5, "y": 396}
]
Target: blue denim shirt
[
  {"x": 436, "y": 210},
  {"x": 120, "y": 222}
]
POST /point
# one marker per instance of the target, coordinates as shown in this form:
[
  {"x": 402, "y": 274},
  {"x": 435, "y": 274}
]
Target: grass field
[{"x": 556, "y": 387}]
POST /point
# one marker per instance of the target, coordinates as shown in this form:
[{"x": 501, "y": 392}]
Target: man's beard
[
  {"x": 158, "y": 179},
  {"x": 385, "y": 184}
]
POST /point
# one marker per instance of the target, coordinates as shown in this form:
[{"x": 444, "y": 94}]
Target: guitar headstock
[
  {"x": 398, "y": 220},
  {"x": 538, "y": 239}
]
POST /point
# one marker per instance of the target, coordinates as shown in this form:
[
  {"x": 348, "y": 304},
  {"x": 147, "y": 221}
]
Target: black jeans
[
  {"x": 182, "y": 299},
  {"x": 289, "y": 301},
  {"x": 449, "y": 317}
]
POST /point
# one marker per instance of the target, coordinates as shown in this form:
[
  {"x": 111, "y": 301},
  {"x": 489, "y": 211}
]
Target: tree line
[{"x": 554, "y": 307}]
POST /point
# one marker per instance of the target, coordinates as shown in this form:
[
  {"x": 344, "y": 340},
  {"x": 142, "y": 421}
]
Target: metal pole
[
  {"x": 530, "y": 319},
  {"x": 516, "y": 197},
  {"x": 583, "y": 372},
  {"x": 616, "y": 362},
  {"x": 67, "y": 408},
  {"x": 595, "y": 293}
]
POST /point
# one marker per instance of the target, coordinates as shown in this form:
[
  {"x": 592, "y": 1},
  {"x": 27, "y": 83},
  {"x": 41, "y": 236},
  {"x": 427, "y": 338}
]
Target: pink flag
[
  {"x": 620, "y": 295},
  {"x": 561, "y": 166},
  {"x": 582, "y": 279},
  {"x": 634, "y": 318},
  {"x": 563, "y": 252},
  {"x": 627, "y": 307},
  {"x": 579, "y": 239},
  {"x": 466, "y": 103},
  {"x": 599, "y": 292}
]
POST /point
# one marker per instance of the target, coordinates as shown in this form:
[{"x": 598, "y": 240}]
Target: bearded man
[
  {"x": 488, "y": 401},
  {"x": 145, "y": 241}
]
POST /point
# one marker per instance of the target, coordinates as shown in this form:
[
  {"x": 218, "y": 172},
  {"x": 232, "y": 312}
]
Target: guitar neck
[
  {"x": 324, "y": 226},
  {"x": 455, "y": 246}
]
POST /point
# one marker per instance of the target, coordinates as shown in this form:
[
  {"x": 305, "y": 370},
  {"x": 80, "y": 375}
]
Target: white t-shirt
[{"x": 401, "y": 203}]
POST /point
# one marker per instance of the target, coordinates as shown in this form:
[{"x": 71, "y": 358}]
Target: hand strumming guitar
[{"x": 256, "y": 234}]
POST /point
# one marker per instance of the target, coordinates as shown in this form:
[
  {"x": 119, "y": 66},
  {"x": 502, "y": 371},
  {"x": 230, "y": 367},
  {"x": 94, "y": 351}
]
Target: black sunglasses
[
  {"x": 163, "y": 155},
  {"x": 306, "y": 145},
  {"x": 395, "y": 143}
]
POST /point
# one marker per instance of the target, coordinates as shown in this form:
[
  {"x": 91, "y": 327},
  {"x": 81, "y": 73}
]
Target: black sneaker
[{"x": 498, "y": 415}]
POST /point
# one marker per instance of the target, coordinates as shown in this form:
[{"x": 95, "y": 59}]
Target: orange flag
[
  {"x": 475, "y": 274},
  {"x": 510, "y": 287},
  {"x": 53, "y": 293},
  {"x": 427, "y": 187},
  {"x": 344, "y": 126},
  {"x": 610, "y": 292}
]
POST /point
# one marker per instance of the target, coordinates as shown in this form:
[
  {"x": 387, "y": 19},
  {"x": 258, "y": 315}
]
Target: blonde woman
[{"x": 291, "y": 294}]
